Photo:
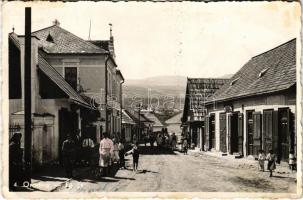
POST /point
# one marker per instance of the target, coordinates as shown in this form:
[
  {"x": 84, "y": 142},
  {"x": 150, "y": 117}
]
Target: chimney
[{"x": 111, "y": 41}]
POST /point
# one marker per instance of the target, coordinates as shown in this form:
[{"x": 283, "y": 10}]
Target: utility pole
[{"x": 27, "y": 96}]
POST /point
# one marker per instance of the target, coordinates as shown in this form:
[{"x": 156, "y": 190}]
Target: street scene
[{"x": 108, "y": 110}]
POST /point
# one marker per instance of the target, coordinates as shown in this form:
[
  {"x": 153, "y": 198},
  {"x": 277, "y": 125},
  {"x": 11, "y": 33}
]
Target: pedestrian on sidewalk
[
  {"x": 106, "y": 151},
  {"x": 271, "y": 157},
  {"x": 135, "y": 152},
  {"x": 292, "y": 160},
  {"x": 121, "y": 154},
  {"x": 261, "y": 159},
  {"x": 68, "y": 152}
]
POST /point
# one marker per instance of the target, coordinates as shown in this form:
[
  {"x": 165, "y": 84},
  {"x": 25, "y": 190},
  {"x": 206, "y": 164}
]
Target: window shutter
[
  {"x": 206, "y": 133},
  {"x": 240, "y": 133}
]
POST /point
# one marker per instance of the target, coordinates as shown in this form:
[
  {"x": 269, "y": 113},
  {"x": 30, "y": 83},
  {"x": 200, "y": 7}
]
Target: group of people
[
  {"x": 111, "y": 154},
  {"x": 272, "y": 159},
  {"x": 166, "y": 140}
]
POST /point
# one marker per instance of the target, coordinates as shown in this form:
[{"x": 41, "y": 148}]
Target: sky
[{"x": 190, "y": 39}]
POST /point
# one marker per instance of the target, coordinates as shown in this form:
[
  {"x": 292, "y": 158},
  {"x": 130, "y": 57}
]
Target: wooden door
[
  {"x": 257, "y": 134},
  {"x": 233, "y": 133},
  {"x": 223, "y": 132},
  {"x": 240, "y": 133},
  {"x": 284, "y": 136},
  {"x": 267, "y": 132},
  {"x": 207, "y": 133}
]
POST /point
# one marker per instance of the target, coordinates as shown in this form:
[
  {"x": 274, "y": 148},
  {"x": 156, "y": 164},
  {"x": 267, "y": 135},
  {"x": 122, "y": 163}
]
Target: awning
[{"x": 60, "y": 82}]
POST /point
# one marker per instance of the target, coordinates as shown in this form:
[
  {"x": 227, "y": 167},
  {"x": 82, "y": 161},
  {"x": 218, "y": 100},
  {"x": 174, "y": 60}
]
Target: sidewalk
[{"x": 245, "y": 162}]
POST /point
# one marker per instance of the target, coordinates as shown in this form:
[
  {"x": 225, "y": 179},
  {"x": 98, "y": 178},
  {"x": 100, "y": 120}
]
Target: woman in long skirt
[{"x": 105, "y": 151}]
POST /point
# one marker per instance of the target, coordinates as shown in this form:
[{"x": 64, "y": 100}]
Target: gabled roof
[
  {"x": 49, "y": 71},
  {"x": 200, "y": 89},
  {"x": 61, "y": 41},
  {"x": 152, "y": 117},
  {"x": 126, "y": 119},
  {"x": 271, "y": 71}
]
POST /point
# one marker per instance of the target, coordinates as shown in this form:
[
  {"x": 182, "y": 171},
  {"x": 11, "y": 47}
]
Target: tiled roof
[
  {"x": 104, "y": 44},
  {"x": 14, "y": 38},
  {"x": 57, "y": 40},
  {"x": 60, "y": 82},
  {"x": 200, "y": 89},
  {"x": 272, "y": 71},
  {"x": 126, "y": 119},
  {"x": 152, "y": 117}
]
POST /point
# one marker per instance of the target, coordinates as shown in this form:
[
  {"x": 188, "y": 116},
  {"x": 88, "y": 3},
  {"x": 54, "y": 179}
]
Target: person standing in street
[
  {"x": 15, "y": 160},
  {"x": 173, "y": 141},
  {"x": 121, "y": 154},
  {"x": 271, "y": 157},
  {"x": 68, "y": 152},
  {"x": 135, "y": 152},
  {"x": 185, "y": 146},
  {"x": 87, "y": 146},
  {"x": 261, "y": 160},
  {"x": 106, "y": 151}
]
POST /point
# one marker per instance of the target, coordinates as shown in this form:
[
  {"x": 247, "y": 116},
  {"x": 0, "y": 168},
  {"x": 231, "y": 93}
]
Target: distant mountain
[
  {"x": 158, "y": 81},
  {"x": 161, "y": 87}
]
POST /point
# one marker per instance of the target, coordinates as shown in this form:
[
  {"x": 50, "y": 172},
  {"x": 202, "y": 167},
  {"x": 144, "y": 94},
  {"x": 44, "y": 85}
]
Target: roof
[
  {"x": 152, "y": 117},
  {"x": 104, "y": 44},
  {"x": 14, "y": 38},
  {"x": 118, "y": 72},
  {"x": 56, "y": 40},
  {"x": 200, "y": 89},
  {"x": 176, "y": 119},
  {"x": 126, "y": 119},
  {"x": 271, "y": 71},
  {"x": 60, "y": 82},
  {"x": 135, "y": 116}
]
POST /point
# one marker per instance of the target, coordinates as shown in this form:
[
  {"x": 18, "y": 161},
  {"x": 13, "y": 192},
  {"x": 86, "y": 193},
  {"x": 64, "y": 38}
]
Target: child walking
[
  {"x": 271, "y": 157},
  {"x": 261, "y": 159},
  {"x": 135, "y": 152}
]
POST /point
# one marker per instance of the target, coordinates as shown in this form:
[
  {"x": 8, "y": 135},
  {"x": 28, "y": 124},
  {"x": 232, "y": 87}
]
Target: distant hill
[
  {"x": 161, "y": 87},
  {"x": 158, "y": 81}
]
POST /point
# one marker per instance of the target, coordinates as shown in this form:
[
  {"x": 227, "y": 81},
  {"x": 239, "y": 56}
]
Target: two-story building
[
  {"x": 256, "y": 108},
  {"x": 76, "y": 89}
]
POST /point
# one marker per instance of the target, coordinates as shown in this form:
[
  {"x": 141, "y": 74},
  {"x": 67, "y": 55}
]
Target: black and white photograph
[{"x": 151, "y": 99}]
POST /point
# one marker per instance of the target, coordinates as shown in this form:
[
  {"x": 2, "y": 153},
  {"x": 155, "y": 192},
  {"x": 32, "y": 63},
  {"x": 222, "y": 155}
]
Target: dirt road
[{"x": 167, "y": 171}]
